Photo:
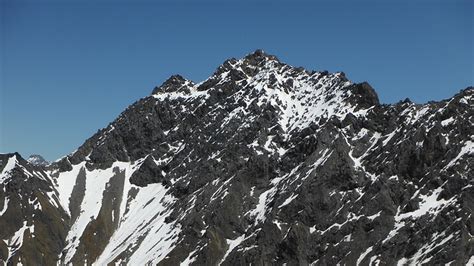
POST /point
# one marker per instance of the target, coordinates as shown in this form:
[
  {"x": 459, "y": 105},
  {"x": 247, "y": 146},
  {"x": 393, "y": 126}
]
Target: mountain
[
  {"x": 36, "y": 159},
  {"x": 262, "y": 163},
  {"x": 33, "y": 222}
]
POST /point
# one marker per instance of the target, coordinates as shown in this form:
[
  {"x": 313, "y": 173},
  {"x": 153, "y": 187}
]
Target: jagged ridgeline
[{"x": 261, "y": 164}]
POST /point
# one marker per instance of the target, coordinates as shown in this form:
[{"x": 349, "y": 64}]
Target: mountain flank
[{"x": 262, "y": 163}]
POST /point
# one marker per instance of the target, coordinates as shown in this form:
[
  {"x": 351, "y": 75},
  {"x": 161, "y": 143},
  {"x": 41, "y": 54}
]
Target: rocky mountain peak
[
  {"x": 259, "y": 56},
  {"x": 237, "y": 70},
  {"x": 293, "y": 98},
  {"x": 36, "y": 159},
  {"x": 364, "y": 95},
  {"x": 175, "y": 83}
]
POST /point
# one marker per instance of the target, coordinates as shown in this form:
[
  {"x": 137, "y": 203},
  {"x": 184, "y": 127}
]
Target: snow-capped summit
[
  {"x": 261, "y": 163},
  {"x": 37, "y": 159}
]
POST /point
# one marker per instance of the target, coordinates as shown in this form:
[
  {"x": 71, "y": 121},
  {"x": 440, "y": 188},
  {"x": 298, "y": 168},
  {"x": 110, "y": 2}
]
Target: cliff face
[{"x": 261, "y": 163}]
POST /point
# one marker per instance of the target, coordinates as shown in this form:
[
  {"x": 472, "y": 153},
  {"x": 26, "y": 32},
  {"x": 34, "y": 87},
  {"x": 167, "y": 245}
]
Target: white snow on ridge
[
  {"x": 307, "y": 104},
  {"x": 309, "y": 98},
  {"x": 180, "y": 94}
]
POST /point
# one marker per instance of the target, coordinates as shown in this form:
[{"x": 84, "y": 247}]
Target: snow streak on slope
[
  {"x": 467, "y": 149},
  {"x": 96, "y": 181},
  {"x": 143, "y": 229},
  {"x": 6, "y": 172},
  {"x": 16, "y": 241},
  {"x": 65, "y": 184}
]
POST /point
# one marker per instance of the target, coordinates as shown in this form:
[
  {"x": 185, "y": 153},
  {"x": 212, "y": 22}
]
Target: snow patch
[
  {"x": 363, "y": 255},
  {"x": 468, "y": 149},
  {"x": 144, "y": 228},
  {"x": 65, "y": 184},
  {"x": 6, "y": 172},
  {"x": 232, "y": 245}
]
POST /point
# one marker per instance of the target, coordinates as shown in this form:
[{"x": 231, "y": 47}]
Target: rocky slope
[{"x": 261, "y": 163}]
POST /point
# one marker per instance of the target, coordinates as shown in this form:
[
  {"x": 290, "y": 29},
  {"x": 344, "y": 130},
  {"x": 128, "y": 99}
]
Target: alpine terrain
[{"x": 263, "y": 164}]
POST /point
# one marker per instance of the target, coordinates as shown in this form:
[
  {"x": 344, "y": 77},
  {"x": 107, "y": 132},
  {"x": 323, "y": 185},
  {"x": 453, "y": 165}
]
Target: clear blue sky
[{"x": 69, "y": 68}]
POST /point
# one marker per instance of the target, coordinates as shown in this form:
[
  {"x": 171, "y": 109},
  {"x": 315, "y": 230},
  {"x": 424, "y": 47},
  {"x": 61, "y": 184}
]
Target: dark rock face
[
  {"x": 264, "y": 163},
  {"x": 148, "y": 173},
  {"x": 365, "y": 95},
  {"x": 174, "y": 83}
]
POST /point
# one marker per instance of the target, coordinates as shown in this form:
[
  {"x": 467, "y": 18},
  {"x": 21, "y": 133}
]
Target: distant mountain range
[{"x": 263, "y": 164}]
